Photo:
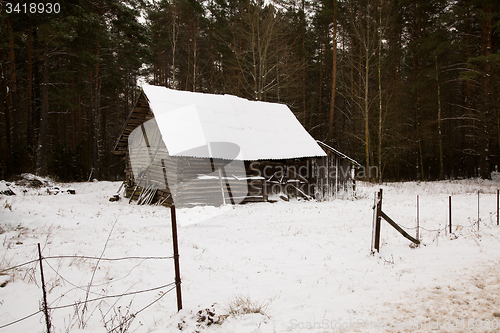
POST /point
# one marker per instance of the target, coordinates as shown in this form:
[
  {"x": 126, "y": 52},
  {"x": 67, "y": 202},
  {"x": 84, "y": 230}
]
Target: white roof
[{"x": 229, "y": 127}]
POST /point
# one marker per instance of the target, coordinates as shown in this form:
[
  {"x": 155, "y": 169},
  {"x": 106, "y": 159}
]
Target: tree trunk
[
  {"x": 5, "y": 105},
  {"x": 30, "y": 132},
  {"x": 97, "y": 127},
  {"x": 79, "y": 138},
  {"x": 195, "y": 53},
  {"x": 175, "y": 33},
  {"x": 320, "y": 83},
  {"x": 468, "y": 132},
  {"x": 366, "y": 92},
  {"x": 12, "y": 94},
  {"x": 367, "y": 115},
  {"x": 42, "y": 149},
  {"x": 95, "y": 118},
  {"x": 484, "y": 146},
  {"x": 304, "y": 108},
  {"x": 334, "y": 74},
  {"x": 440, "y": 133},
  {"x": 417, "y": 31},
  {"x": 379, "y": 173}
]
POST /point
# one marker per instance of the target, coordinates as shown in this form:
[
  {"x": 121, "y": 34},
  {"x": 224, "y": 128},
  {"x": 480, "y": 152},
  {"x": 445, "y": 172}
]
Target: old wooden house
[{"x": 188, "y": 148}]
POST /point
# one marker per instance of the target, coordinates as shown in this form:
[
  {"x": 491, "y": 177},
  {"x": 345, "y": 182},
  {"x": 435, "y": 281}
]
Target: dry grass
[{"x": 244, "y": 305}]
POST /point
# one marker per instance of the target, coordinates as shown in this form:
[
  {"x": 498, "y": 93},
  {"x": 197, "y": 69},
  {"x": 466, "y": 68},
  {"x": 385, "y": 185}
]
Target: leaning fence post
[
  {"x": 45, "y": 309},
  {"x": 176, "y": 258}
]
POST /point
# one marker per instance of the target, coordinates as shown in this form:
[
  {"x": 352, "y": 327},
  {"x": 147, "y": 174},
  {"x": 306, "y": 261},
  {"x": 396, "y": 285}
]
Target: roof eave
[{"x": 335, "y": 151}]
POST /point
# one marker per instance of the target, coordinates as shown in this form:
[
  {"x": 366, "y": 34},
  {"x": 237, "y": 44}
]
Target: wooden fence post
[
  {"x": 377, "y": 221},
  {"x": 478, "y": 216},
  {"x": 449, "y": 206},
  {"x": 418, "y": 219},
  {"x": 45, "y": 309},
  {"x": 176, "y": 258},
  {"x": 378, "y": 216},
  {"x": 374, "y": 221}
]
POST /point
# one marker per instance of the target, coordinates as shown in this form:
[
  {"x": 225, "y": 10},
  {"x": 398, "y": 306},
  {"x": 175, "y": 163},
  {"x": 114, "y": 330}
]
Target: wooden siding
[
  {"x": 189, "y": 181},
  {"x": 318, "y": 178},
  {"x": 139, "y": 115},
  {"x": 333, "y": 175}
]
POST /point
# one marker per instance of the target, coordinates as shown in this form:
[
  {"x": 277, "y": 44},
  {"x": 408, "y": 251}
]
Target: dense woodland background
[{"x": 412, "y": 87}]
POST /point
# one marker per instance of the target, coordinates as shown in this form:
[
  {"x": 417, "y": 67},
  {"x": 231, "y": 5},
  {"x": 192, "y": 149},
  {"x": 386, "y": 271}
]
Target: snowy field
[{"x": 269, "y": 267}]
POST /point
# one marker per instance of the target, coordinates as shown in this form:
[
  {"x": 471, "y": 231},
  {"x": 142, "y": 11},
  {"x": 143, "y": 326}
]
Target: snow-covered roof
[{"x": 207, "y": 125}]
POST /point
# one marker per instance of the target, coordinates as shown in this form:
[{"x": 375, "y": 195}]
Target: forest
[{"x": 411, "y": 88}]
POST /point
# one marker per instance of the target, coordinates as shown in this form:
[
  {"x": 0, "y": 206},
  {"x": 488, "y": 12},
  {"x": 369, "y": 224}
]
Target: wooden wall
[
  {"x": 189, "y": 181},
  {"x": 201, "y": 181},
  {"x": 334, "y": 176}
]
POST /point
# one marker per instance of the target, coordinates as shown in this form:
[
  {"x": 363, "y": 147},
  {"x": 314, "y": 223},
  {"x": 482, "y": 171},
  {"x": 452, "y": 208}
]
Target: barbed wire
[
  {"x": 446, "y": 227},
  {"x": 84, "y": 288},
  {"x": 471, "y": 227},
  {"x": 20, "y": 265},
  {"x": 108, "y": 259},
  {"x": 19, "y": 320},
  {"x": 110, "y": 296},
  {"x": 442, "y": 229},
  {"x": 84, "y": 257},
  {"x": 98, "y": 299},
  {"x": 101, "y": 297},
  {"x": 144, "y": 308}
]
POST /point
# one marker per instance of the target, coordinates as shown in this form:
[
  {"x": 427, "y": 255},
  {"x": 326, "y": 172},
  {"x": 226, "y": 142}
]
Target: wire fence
[
  {"x": 473, "y": 226},
  {"x": 44, "y": 265}
]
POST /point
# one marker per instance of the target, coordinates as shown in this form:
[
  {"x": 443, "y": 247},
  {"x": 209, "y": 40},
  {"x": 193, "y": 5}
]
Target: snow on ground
[{"x": 269, "y": 267}]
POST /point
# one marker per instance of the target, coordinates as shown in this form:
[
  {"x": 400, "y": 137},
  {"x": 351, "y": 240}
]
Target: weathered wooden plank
[{"x": 398, "y": 228}]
